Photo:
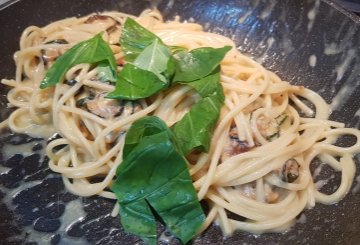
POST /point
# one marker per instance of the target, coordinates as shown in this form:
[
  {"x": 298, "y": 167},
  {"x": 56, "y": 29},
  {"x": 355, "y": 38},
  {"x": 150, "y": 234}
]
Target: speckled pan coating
[{"x": 311, "y": 43}]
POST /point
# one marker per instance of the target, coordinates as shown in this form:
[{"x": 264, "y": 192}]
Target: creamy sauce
[
  {"x": 74, "y": 212},
  {"x": 25, "y": 125},
  {"x": 155, "y": 3},
  {"x": 341, "y": 97},
  {"x": 302, "y": 219},
  {"x": 317, "y": 171},
  {"x": 341, "y": 69},
  {"x": 312, "y": 15},
  {"x": 286, "y": 45},
  {"x": 332, "y": 49},
  {"x": 357, "y": 186},
  {"x": 10, "y": 194},
  {"x": 357, "y": 124},
  {"x": 270, "y": 42},
  {"x": 267, "y": 11},
  {"x": 242, "y": 19},
  {"x": 41, "y": 238},
  {"x": 357, "y": 113},
  {"x": 3, "y": 169},
  {"x": 9, "y": 150},
  {"x": 170, "y": 4},
  {"x": 312, "y": 60},
  {"x": 320, "y": 183},
  {"x": 43, "y": 131}
]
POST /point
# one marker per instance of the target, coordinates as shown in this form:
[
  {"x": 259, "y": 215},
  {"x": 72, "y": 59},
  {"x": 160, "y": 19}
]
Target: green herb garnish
[
  {"x": 154, "y": 58},
  {"x": 154, "y": 174},
  {"x": 149, "y": 53},
  {"x": 154, "y": 171},
  {"x": 134, "y": 83},
  {"x": 90, "y": 51},
  {"x": 105, "y": 72},
  {"x": 198, "y": 63},
  {"x": 195, "y": 128},
  {"x": 134, "y": 39}
]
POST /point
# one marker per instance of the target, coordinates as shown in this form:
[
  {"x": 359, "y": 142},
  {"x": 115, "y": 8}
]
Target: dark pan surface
[{"x": 311, "y": 43}]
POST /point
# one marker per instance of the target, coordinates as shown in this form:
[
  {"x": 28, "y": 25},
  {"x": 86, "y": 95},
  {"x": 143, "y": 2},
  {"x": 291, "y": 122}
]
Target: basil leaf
[
  {"x": 154, "y": 58},
  {"x": 209, "y": 85},
  {"x": 139, "y": 215},
  {"x": 134, "y": 83},
  {"x": 140, "y": 130},
  {"x": 170, "y": 69},
  {"x": 194, "y": 130},
  {"x": 154, "y": 173},
  {"x": 135, "y": 38},
  {"x": 198, "y": 63},
  {"x": 105, "y": 72},
  {"x": 90, "y": 51}
]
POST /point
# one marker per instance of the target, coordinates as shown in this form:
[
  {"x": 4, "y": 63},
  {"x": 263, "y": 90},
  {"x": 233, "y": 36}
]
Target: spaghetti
[{"x": 258, "y": 166}]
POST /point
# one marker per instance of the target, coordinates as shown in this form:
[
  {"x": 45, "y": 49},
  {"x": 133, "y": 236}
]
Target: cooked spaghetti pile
[{"x": 258, "y": 163}]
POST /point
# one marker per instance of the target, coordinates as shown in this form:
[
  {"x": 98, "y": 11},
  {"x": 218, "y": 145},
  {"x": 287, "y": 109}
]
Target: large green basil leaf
[
  {"x": 154, "y": 173},
  {"x": 194, "y": 130},
  {"x": 198, "y": 63},
  {"x": 135, "y": 38},
  {"x": 90, "y": 51},
  {"x": 134, "y": 83},
  {"x": 154, "y": 58}
]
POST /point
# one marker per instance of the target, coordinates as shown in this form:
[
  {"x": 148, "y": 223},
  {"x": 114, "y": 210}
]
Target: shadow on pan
[{"x": 312, "y": 43}]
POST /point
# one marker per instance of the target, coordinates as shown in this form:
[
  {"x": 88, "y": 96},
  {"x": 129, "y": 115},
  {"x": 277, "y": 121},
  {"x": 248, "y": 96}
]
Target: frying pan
[{"x": 312, "y": 43}]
